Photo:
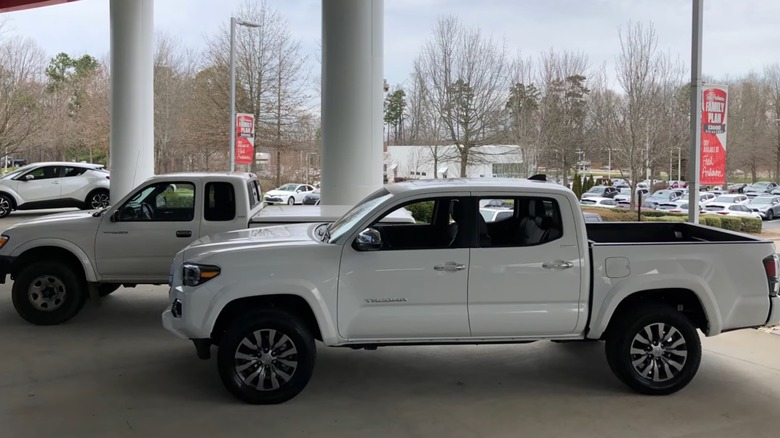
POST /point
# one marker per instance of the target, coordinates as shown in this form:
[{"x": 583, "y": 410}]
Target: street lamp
[{"x": 233, "y": 22}]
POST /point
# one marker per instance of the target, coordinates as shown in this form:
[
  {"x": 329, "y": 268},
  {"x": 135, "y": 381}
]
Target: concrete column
[
  {"x": 352, "y": 97},
  {"x": 132, "y": 95}
]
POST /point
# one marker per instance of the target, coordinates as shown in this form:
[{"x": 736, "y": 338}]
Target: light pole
[{"x": 233, "y": 22}]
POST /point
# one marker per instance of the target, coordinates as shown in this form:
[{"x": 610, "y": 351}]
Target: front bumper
[
  {"x": 6, "y": 263},
  {"x": 273, "y": 199}
]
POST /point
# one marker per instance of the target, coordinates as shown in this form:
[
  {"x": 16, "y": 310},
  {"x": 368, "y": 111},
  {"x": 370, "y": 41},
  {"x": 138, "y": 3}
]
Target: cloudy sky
[{"x": 739, "y": 36}]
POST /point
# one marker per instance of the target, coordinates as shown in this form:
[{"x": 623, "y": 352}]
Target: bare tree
[
  {"x": 465, "y": 76},
  {"x": 772, "y": 76},
  {"x": 172, "y": 72},
  {"x": 22, "y": 101},
  {"x": 750, "y": 136},
  {"x": 523, "y": 113}
]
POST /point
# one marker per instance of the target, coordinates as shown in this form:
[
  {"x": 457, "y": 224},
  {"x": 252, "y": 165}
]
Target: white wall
[{"x": 416, "y": 162}]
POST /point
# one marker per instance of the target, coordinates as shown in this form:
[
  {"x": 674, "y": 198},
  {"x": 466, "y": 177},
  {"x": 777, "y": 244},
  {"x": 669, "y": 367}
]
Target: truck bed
[{"x": 603, "y": 233}]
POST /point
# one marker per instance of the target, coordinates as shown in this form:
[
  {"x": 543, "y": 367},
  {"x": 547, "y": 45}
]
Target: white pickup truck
[
  {"x": 264, "y": 296},
  {"x": 57, "y": 261}
]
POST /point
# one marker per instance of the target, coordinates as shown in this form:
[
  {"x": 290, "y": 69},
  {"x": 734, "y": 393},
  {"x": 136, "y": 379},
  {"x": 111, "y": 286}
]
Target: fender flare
[
  {"x": 13, "y": 195},
  {"x": 90, "y": 273},
  {"x": 307, "y": 292},
  {"x": 623, "y": 290}
]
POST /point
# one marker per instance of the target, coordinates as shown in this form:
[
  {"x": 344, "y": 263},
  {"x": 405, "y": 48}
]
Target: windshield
[
  {"x": 596, "y": 189},
  {"x": 759, "y": 184},
  {"x": 18, "y": 171},
  {"x": 761, "y": 200},
  {"x": 727, "y": 199},
  {"x": 662, "y": 194},
  {"x": 357, "y": 214},
  {"x": 287, "y": 188}
]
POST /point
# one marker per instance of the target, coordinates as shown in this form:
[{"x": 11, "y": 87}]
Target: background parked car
[
  {"x": 663, "y": 196},
  {"x": 592, "y": 217},
  {"x": 738, "y": 210},
  {"x": 312, "y": 198},
  {"x": 289, "y": 194},
  {"x": 730, "y": 199},
  {"x": 759, "y": 188},
  {"x": 766, "y": 205},
  {"x": 599, "y": 202},
  {"x": 496, "y": 214},
  {"x": 600, "y": 192},
  {"x": 54, "y": 185},
  {"x": 679, "y": 206}
]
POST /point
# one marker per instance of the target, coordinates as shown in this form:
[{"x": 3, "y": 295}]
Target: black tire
[
  {"x": 291, "y": 201},
  {"x": 770, "y": 215},
  {"x": 666, "y": 378},
  {"x": 107, "y": 289},
  {"x": 96, "y": 199},
  {"x": 6, "y": 205},
  {"x": 48, "y": 293},
  {"x": 303, "y": 357}
]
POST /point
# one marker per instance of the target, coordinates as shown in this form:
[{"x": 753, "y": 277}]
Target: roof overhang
[{"x": 18, "y": 5}]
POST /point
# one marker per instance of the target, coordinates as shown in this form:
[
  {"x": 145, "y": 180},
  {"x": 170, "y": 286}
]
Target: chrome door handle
[
  {"x": 557, "y": 264},
  {"x": 450, "y": 267}
]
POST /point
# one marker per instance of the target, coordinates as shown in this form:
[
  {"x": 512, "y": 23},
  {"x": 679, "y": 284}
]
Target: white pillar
[
  {"x": 352, "y": 97},
  {"x": 132, "y": 95}
]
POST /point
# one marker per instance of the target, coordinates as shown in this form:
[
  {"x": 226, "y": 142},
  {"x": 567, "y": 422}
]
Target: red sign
[
  {"x": 245, "y": 138},
  {"x": 713, "y": 136}
]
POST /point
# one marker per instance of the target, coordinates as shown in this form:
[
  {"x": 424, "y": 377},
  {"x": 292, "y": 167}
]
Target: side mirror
[
  {"x": 161, "y": 202},
  {"x": 28, "y": 178},
  {"x": 368, "y": 240}
]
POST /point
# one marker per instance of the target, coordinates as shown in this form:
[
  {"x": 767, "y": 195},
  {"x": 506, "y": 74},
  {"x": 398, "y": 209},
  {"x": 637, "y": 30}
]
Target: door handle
[
  {"x": 184, "y": 233},
  {"x": 557, "y": 264},
  {"x": 450, "y": 267}
]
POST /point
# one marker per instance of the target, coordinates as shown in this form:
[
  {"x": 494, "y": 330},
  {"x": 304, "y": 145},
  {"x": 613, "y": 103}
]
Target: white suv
[{"x": 54, "y": 185}]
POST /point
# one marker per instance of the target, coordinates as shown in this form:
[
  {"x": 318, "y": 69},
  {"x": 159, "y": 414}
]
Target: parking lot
[{"x": 114, "y": 371}]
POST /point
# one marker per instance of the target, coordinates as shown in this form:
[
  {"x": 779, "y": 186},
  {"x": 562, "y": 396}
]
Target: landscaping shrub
[
  {"x": 731, "y": 223},
  {"x": 421, "y": 212},
  {"x": 751, "y": 225},
  {"x": 712, "y": 221}
]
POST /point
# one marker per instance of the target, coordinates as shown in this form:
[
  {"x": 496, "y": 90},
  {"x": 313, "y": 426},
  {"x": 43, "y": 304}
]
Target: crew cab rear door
[{"x": 525, "y": 277}]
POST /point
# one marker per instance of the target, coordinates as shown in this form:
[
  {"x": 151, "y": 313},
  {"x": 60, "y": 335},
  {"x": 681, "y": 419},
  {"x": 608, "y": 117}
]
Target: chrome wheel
[
  {"x": 266, "y": 359},
  {"x": 99, "y": 200},
  {"x": 47, "y": 293},
  {"x": 658, "y": 352}
]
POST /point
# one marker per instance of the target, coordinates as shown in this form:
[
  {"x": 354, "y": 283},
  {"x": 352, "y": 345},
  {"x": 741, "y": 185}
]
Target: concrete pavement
[{"x": 113, "y": 371}]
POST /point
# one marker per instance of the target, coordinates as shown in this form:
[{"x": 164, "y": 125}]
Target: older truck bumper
[
  {"x": 774, "y": 311},
  {"x": 6, "y": 262}
]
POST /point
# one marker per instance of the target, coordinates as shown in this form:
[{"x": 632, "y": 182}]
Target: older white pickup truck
[
  {"x": 57, "y": 261},
  {"x": 264, "y": 296}
]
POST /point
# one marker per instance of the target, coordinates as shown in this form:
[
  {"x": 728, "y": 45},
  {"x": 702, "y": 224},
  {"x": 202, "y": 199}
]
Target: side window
[
  {"x": 161, "y": 202},
  {"x": 220, "y": 202},
  {"x": 439, "y": 223},
  {"x": 73, "y": 171},
  {"x": 534, "y": 221},
  {"x": 254, "y": 193},
  {"x": 46, "y": 172}
]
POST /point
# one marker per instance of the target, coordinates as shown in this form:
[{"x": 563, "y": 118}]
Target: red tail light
[
  {"x": 771, "y": 268},
  {"x": 722, "y": 212}
]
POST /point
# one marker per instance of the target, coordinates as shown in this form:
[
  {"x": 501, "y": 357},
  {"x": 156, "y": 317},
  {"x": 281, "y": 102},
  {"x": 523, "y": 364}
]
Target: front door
[
  {"x": 139, "y": 240},
  {"x": 412, "y": 285},
  {"x": 525, "y": 273},
  {"x": 41, "y": 184}
]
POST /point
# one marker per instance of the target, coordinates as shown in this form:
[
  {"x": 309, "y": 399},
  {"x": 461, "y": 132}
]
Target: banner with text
[
  {"x": 713, "y": 134},
  {"x": 245, "y": 138}
]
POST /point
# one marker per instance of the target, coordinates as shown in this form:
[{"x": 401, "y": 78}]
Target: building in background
[{"x": 427, "y": 162}]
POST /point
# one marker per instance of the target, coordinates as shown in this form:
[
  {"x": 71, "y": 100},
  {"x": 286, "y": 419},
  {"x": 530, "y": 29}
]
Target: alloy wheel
[
  {"x": 266, "y": 359},
  {"x": 47, "y": 293},
  {"x": 99, "y": 200},
  {"x": 658, "y": 352}
]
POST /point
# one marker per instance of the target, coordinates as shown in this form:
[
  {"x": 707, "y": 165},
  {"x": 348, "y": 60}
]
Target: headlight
[
  {"x": 3, "y": 240},
  {"x": 195, "y": 275}
]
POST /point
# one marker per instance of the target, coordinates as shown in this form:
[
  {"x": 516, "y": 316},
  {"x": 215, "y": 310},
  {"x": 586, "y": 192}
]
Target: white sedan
[
  {"x": 737, "y": 210},
  {"x": 599, "y": 202},
  {"x": 289, "y": 194}
]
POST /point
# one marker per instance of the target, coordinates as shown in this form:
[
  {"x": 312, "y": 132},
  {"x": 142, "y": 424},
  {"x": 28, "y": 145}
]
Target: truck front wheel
[
  {"x": 654, "y": 350},
  {"x": 48, "y": 293},
  {"x": 266, "y": 357}
]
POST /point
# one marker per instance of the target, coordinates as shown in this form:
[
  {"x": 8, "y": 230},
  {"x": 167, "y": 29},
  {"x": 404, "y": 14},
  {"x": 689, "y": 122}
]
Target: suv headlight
[{"x": 195, "y": 275}]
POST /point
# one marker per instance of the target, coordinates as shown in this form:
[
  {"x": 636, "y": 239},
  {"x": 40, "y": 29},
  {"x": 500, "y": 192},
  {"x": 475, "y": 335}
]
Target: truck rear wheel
[
  {"x": 654, "y": 350},
  {"x": 266, "y": 357},
  {"x": 48, "y": 293}
]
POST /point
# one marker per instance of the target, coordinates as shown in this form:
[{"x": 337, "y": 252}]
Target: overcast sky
[{"x": 739, "y": 36}]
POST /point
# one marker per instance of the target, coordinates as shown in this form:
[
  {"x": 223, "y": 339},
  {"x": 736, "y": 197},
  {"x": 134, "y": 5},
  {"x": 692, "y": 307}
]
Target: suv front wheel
[{"x": 266, "y": 357}]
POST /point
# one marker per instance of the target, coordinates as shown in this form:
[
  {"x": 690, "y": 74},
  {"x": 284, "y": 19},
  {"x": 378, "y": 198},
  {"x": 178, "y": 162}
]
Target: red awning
[{"x": 18, "y": 5}]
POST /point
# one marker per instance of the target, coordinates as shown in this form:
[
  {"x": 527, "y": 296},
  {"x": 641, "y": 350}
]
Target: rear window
[
  {"x": 220, "y": 202},
  {"x": 254, "y": 193}
]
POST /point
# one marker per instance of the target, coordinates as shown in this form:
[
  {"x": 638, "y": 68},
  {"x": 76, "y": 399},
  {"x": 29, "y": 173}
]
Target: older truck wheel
[
  {"x": 654, "y": 349},
  {"x": 48, "y": 293},
  {"x": 266, "y": 357}
]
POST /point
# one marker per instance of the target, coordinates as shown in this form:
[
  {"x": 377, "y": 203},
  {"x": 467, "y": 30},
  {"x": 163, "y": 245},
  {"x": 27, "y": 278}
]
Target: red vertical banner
[
  {"x": 245, "y": 138},
  {"x": 713, "y": 135}
]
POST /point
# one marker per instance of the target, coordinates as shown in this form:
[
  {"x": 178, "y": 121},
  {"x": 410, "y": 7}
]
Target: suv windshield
[
  {"x": 761, "y": 200},
  {"x": 726, "y": 199},
  {"x": 357, "y": 214}
]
